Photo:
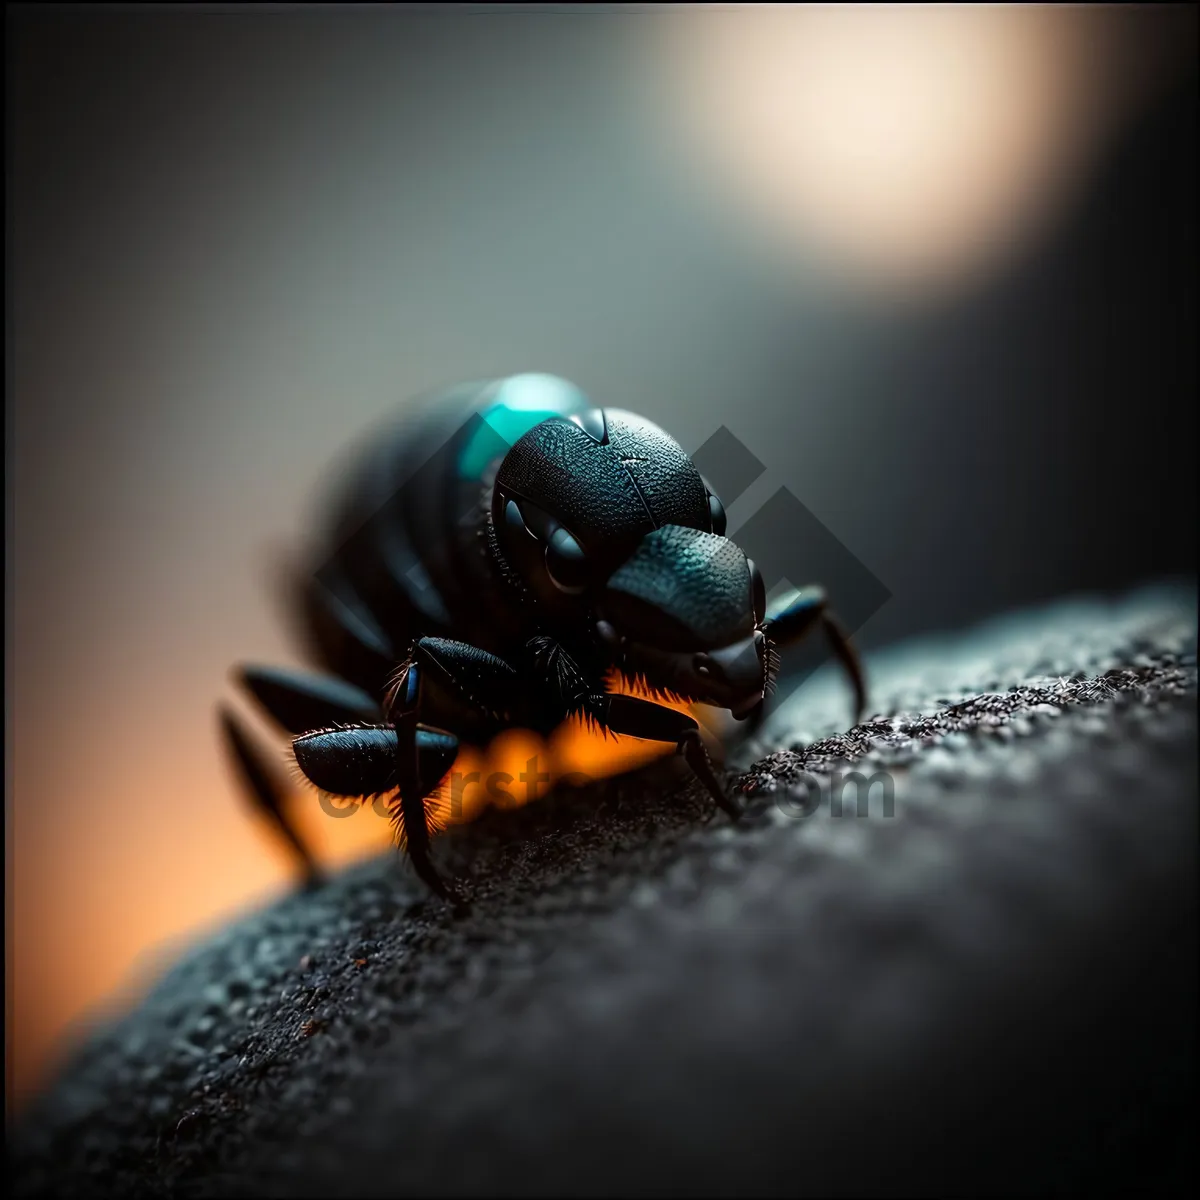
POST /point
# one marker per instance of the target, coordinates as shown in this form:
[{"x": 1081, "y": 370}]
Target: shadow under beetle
[{"x": 490, "y": 563}]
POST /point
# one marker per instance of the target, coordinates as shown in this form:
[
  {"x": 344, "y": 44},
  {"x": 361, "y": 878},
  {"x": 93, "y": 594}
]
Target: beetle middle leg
[
  {"x": 631, "y": 715},
  {"x": 403, "y": 716},
  {"x": 655, "y": 722},
  {"x": 449, "y": 685}
]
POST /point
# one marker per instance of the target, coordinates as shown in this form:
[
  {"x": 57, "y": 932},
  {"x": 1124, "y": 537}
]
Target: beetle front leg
[
  {"x": 404, "y": 716},
  {"x": 631, "y": 715},
  {"x": 449, "y": 685},
  {"x": 793, "y": 616},
  {"x": 645, "y": 719}
]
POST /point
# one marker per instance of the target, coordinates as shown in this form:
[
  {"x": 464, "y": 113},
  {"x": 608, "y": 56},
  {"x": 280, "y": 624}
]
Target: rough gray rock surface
[{"x": 990, "y": 990}]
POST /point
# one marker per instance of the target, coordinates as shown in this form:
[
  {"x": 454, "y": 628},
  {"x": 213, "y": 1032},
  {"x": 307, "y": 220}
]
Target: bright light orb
[{"x": 905, "y": 144}]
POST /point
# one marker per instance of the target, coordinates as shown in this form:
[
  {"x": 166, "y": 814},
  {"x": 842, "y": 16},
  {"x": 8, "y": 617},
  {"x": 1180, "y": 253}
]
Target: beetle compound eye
[
  {"x": 566, "y": 562},
  {"x": 716, "y": 510},
  {"x": 758, "y": 591}
]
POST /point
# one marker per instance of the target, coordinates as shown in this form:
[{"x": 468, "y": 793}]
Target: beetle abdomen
[{"x": 403, "y": 556}]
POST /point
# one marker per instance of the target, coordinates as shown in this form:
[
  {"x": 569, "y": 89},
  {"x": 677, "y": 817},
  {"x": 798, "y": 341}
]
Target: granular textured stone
[{"x": 973, "y": 974}]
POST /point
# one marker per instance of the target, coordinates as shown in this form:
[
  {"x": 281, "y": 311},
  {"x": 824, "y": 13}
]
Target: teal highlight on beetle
[{"x": 519, "y": 403}]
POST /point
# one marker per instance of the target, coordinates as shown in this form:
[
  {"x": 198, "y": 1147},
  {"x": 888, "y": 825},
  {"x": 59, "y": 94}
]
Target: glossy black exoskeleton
[{"x": 489, "y": 568}]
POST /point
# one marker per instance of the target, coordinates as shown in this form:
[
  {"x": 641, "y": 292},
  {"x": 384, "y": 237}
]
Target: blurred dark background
[{"x": 236, "y": 237}]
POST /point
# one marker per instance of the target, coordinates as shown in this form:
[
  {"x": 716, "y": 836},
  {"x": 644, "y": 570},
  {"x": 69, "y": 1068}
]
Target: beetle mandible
[{"x": 491, "y": 569}]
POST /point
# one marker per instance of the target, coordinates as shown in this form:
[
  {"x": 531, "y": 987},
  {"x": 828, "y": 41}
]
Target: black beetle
[{"x": 489, "y": 569}]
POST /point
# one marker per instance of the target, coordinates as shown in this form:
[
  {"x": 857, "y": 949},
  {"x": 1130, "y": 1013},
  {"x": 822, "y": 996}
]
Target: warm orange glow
[
  {"x": 518, "y": 768},
  {"x": 159, "y": 853},
  {"x": 573, "y": 754}
]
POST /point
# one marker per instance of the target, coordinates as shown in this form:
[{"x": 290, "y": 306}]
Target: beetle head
[
  {"x": 683, "y": 611},
  {"x": 604, "y": 518}
]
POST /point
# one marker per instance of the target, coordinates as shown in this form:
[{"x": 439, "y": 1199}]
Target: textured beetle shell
[
  {"x": 402, "y": 554},
  {"x": 405, "y": 554},
  {"x": 704, "y": 577},
  {"x": 610, "y": 494}
]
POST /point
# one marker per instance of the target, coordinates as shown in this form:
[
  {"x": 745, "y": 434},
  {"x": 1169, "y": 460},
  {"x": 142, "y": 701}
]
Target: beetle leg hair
[{"x": 404, "y": 715}]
